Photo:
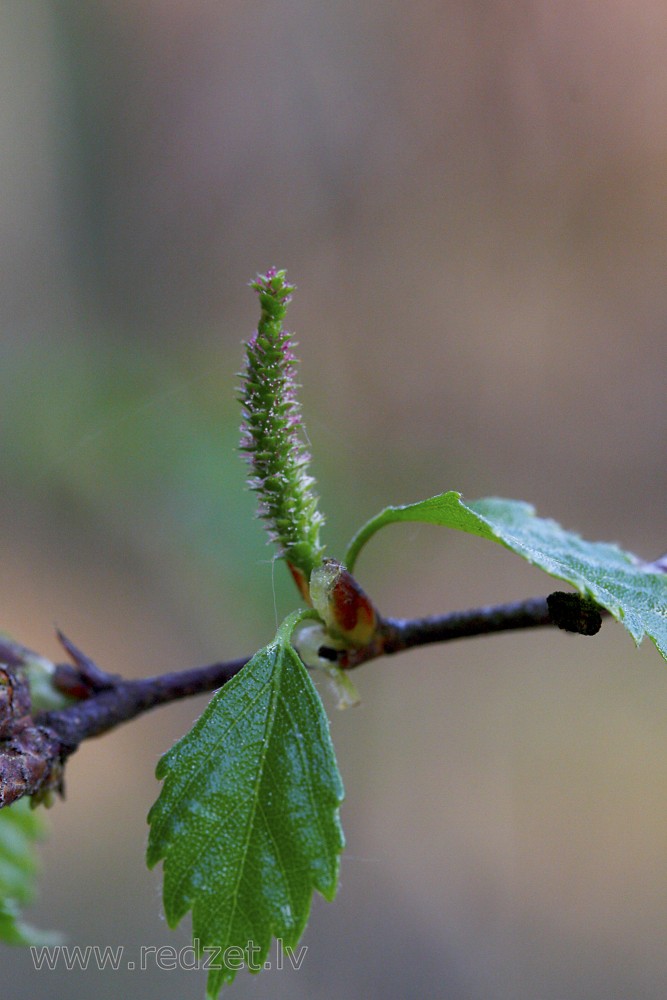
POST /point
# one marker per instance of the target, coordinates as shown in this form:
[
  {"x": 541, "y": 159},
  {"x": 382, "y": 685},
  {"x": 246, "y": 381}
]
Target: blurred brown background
[{"x": 471, "y": 200}]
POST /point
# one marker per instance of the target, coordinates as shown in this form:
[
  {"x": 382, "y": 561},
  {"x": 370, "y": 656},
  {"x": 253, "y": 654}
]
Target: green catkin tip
[{"x": 272, "y": 434}]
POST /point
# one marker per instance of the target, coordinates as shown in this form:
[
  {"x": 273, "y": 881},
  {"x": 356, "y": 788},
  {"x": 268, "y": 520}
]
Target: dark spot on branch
[
  {"x": 574, "y": 613},
  {"x": 327, "y": 653}
]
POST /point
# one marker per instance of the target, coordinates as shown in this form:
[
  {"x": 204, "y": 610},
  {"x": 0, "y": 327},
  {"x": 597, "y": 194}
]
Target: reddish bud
[{"x": 345, "y": 609}]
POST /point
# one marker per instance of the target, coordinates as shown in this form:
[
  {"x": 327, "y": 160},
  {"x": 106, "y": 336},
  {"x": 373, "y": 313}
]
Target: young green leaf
[
  {"x": 20, "y": 827},
  {"x": 247, "y": 821},
  {"x": 633, "y": 592}
]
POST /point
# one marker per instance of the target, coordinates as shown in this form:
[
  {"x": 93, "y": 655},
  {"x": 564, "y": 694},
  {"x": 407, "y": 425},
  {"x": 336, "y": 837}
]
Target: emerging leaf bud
[
  {"x": 316, "y": 648},
  {"x": 345, "y": 609}
]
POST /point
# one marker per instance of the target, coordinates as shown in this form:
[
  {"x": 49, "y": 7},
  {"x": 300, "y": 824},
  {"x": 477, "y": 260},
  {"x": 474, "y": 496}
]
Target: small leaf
[
  {"x": 633, "y": 592},
  {"x": 247, "y": 821},
  {"x": 20, "y": 827}
]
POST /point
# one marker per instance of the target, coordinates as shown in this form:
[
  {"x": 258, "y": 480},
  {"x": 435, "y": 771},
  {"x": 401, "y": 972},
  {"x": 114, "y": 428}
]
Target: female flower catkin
[{"x": 272, "y": 435}]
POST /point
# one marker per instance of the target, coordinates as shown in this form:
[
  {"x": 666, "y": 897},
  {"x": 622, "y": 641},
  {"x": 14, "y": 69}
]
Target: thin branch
[
  {"x": 33, "y": 750},
  {"x": 405, "y": 633},
  {"x": 566, "y": 611},
  {"x": 129, "y": 698}
]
